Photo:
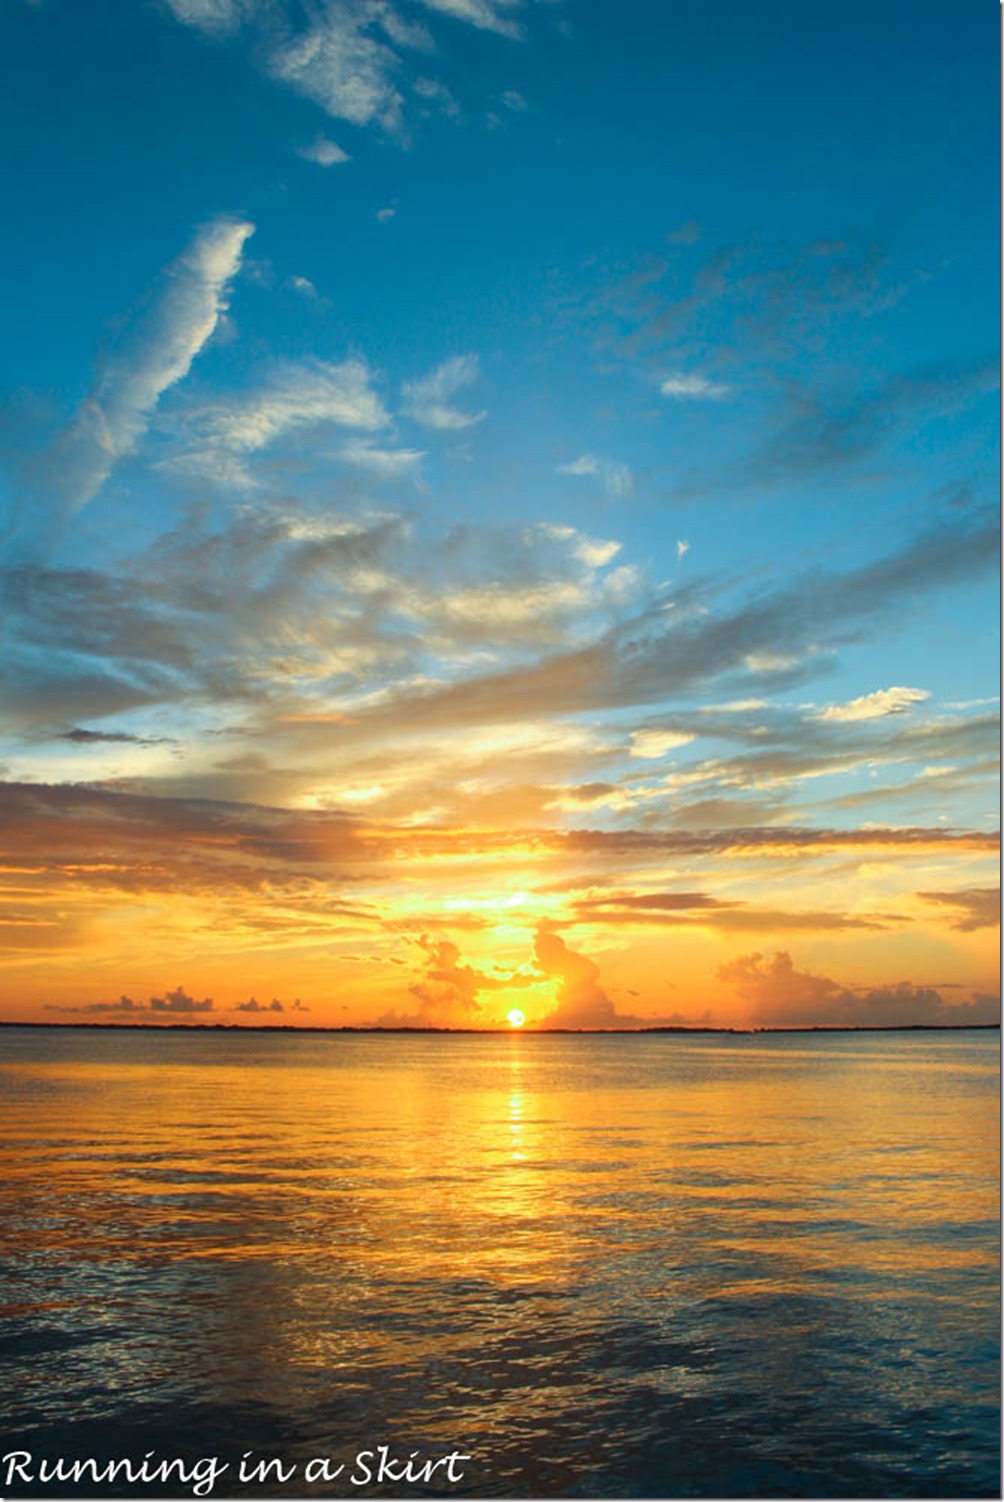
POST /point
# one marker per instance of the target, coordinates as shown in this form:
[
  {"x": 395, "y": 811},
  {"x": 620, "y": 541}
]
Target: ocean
[{"x": 652, "y": 1265}]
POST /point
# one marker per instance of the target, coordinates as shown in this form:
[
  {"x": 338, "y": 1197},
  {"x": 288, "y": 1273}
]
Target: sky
[{"x": 498, "y": 512}]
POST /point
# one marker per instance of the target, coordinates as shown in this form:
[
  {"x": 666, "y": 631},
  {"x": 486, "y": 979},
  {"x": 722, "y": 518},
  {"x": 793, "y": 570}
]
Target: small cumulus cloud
[
  {"x": 386, "y": 215},
  {"x": 429, "y": 400},
  {"x": 693, "y": 388},
  {"x": 435, "y": 92},
  {"x": 885, "y": 701},
  {"x": 179, "y": 1001},
  {"x": 302, "y": 285},
  {"x": 176, "y": 1002},
  {"x": 324, "y": 152},
  {"x": 682, "y": 549},
  {"x": 253, "y": 1005},
  {"x": 124, "y": 1006},
  {"x": 617, "y": 479}
]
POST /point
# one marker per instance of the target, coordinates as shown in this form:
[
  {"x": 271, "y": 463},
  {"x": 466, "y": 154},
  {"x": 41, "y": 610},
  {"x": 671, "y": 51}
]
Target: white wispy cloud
[
  {"x": 220, "y": 437},
  {"x": 348, "y": 56},
  {"x": 694, "y": 388},
  {"x": 339, "y": 64},
  {"x": 651, "y": 744},
  {"x": 682, "y": 548},
  {"x": 324, "y": 152},
  {"x": 487, "y": 15},
  {"x": 435, "y": 92},
  {"x": 213, "y": 17},
  {"x": 885, "y": 701},
  {"x": 382, "y": 463},
  {"x": 428, "y": 400},
  {"x": 296, "y": 396},
  {"x": 586, "y": 464},
  {"x": 617, "y": 478},
  {"x": 155, "y": 354}
]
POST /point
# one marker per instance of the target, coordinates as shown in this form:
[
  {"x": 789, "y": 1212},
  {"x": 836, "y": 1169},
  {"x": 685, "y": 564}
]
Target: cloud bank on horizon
[{"x": 352, "y": 646}]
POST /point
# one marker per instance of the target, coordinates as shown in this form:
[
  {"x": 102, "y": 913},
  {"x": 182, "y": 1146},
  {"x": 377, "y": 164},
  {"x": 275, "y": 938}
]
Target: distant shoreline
[{"x": 495, "y": 1032}]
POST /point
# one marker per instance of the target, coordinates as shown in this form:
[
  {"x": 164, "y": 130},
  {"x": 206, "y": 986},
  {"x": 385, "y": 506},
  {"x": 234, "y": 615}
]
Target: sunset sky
[{"x": 499, "y": 512}]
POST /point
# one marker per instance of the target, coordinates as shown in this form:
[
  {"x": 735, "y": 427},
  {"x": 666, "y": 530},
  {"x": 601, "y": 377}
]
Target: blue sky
[{"x": 506, "y": 416}]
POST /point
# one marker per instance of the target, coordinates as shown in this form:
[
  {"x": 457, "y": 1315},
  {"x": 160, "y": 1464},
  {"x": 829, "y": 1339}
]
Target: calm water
[{"x": 599, "y": 1266}]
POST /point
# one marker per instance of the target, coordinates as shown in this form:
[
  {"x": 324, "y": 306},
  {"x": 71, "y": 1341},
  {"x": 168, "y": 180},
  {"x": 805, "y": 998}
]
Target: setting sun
[{"x": 515, "y": 1018}]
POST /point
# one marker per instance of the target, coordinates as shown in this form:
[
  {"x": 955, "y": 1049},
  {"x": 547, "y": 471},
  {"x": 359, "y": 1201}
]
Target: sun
[{"x": 515, "y": 1018}]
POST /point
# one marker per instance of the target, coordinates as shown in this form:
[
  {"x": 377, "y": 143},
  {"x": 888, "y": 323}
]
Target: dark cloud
[
  {"x": 179, "y": 1000},
  {"x": 176, "y": 1002},
  {"x": 970, "y": 907},
  {"x": 676, "y": 909},
  {"x": 779, "y": 995},
  {"x": 81, "y": 737},
  {"x": 125, "y": 1005},
  {"x": 269, "y": 1007},
  {"x": 825, "y": 432},
  {"x": 58, "y": 825}
]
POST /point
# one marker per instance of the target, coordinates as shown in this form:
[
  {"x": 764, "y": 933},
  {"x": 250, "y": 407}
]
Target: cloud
[
  {"x": 652, "y": 744},
  {"x": 82, "y": 737},
  {"x": 303, "y": 285},
  {"x": 154, "y": 354},
  {"x": 682, "y": 549},
  {"x": 179, "y": 1000},
  {"x": 693, "y": 388},
  {"x": 781, "y": 996},
  {"x": 324, "y": 152},
  {"x": 885, "y": 701},
  {"x": 974, "y": 907},
  {"x": 681, "y": 646},
  {"x": 436, "y": 92},
  {"x": 386, "y": 215},
  {"x": 253, "y": 1005},
  {"x": 217, "y": 18},
  {"x": 487, "y": 15},
  {"x": 448, "y": 991},
  {"x": 617, "y": 478},
  {"x": 337, "y": 62},
  {"x": 428, "y": 400},
  {"x": 587, "y": 464},
  {"x": 641, "y": 909},
  {"x": 581, "y": 1000},
  {"x": 296, "y": 396},
  {"x": 125, "y": 1006},
  {"x": 175, "y": 1002},
  {"x": 382, "y": 464},
  {"x": 347, "y": 56}
]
